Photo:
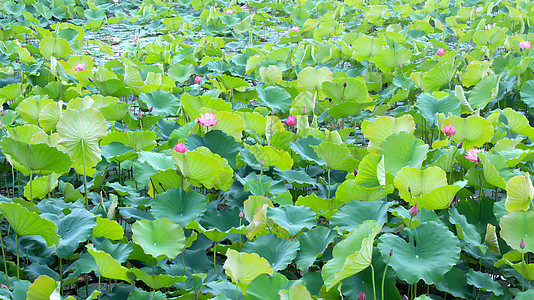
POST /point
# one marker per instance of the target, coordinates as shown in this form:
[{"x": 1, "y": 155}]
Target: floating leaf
[{"x": 160, "y": 238}]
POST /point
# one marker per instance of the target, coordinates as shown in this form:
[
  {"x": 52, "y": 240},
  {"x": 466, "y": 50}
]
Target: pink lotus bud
[
  {"x": 355, "y": 172},
  {"x": 304, "y": 110},
  {"x": 17, "y": 61},
  {"x": 180, "y": 147},
  {"x": 262, "y": 163},
  {"x": 57, "y": 72},
  {"x": 151, "y": 108},
  {"x": 90, "y": 79},
  {"x": 391, "y": 252},
  {"x": 207, "y": 77},
  {"x": 422, "y": 89},
  {"x": 361, "y": 296},
  {"x": 229, "y": 11},
  {"x": 133, "y": 97},
  {"x": 198, "y": 79},
  {"x": 440, "y": 52},
  {"x": 2, "y": 113},
  {"x": 255, "y": 83},
  {"x": 413, "y": 211},
  {"x": 291, "y": 121},
  {"x": 522, "y": 244},
  {"x": 449, "y": 130},
  {"x": 460, "y": 145},
  {"x": 139, "y": 115},
  {"x": 295, "y": 29},
  {"x": 241, "y": 214},
  {"x": 524, "y": 45},
  {"x": 345, "y": 85}
]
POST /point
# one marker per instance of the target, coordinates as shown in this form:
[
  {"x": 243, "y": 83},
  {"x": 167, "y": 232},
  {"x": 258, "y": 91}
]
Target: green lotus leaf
[
  {"x": 215, "y": 235},
  {"x": 485, "y": 91},
  {"x": 155, "y": 282},
  {"x": 356, "y": 213},
  {"x": 271, "y": 156},
  {"x": 253, "y": 121},
  {"x": 293, "y": 218},
  {"x": 157, "y": 160},
  {"x": 107, "y": 266},
  {"x": 179, "y": 206},
  {"x": 36, "y": 157},
  {"x": 271, "y": 74},
  {"x": 265, "y": 287},
  {"x": 202, "y": 167},
  {"x": 490, "y": 173},
  {"x": 348, "y": 108},
  {"x": 25, "y": 222},
  {"x": 242, "y": 268},
  {"x": 80, "y": 132},
  {"x": 475, "y": 72},
  {"x": 455, "y": 283},
  {"x": 520, "y": 193},
  {"x": 141, "y": 140},
  {"x": 43, "y": 288},
  {"x": 41, "y": 186},
  {"x": 112, "y": 87},
  {"x": 440, "y": 75},
  {"x": 419, "y": 181},
  {"x": 473, "y": 131},
  {"x": 312, "y": 245},
  {"x": 368, "y": 171},
  {"x": 518, "y": 123},
  {"x": 230, "y": 124},
  {"x": 440, "y": 197},
  {"x": 303, "y": 147},
  {"x": 228, "y": 83},
  {"x": 132, "y": 79},
  {"x": 279, "y": 253},
  {"x": 311, "y": 79},
  {"x": 321, "y": 206},
  {"x": 49, "y": 115},
  {"x": 346, "y": 89},
  {"x": 403, "y": 150},
  {"x": 107, "y": 228},
  {"x": 389, "y": 59},
  {"x": 160, "y": 238},
  {"x": 56, "y": 47},
  {"x": 162, "y": 103},
  {"x": 527, "y": 93},
  {"x": 74, "y": 229},
  {"x": 526, "y": 295},
  {"x": 349, "y": 190},
  {"x": 366, "y": 47},
  {"x": 466, "y": 231},
  {"x": 31, "y": 108},
  {"x": 430, "y": 253},
  {"x": 383, "y": 127},
  {"x": 275, "y": 97},
  {"x": 429, "y": 106},
  {"x": 335, "y": 156},
  {"x": 484, "y": 282},
  {"x": 296, "y": 292},
  {"x": 516, "y": 226},
  {"x": 181, "y": 73},
  {"x": 495, "y": 36},
  {"x": 351, "y": 255}
]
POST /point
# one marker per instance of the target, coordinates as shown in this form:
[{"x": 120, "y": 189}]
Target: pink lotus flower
[
  {"x": 449, "y": 130},
  {"x": 180, "y": 147},
  {"x": 229, "y": 11},
  {"x": 291, "y": 121},
  {"x": 472, "y": 155},
  {"x": 295, "y": 29},
  {"x": 79, "y": 67},
  {"x": 136, "y": 38},
  {"x": 440, "y": 52},
  {"x": 524, "y": 45},
  {"x": 116, "y": 1},
  {"x": 207, "y": 119},
  {"x": 198, "y": 79}
]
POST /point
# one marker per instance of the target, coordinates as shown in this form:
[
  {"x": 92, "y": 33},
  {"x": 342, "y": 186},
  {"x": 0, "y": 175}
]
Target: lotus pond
[{"x": 202, "y": 149}]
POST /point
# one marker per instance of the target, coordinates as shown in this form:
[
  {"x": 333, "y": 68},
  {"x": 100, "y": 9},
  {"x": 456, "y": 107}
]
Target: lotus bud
[
  {"x": 133, "y": 97},
  {"x": 139, "y": 115},
  {"x": 391, "y": 252},
  {"x": 241, "y": 214},
  {"x": 207, "y": 77},
  {"x": 90, "y": 79},
  {"x": 345, "y": 85},
  {"x": 423, "y": 89},
  {"x": 393, "y": 45},
  {"x": 255, "y": 83},
  {"x": 409, "y": 190},
  {"x": 361, "y": 296},
  {"x": 413, "y": 211},
  {"x": 355, "y": 172},
  {"x": 440, "y": 52},
  {"x": 17, "y": 61},
  {"x": 57, "y": 72},
  {"x": 262, "y": 163},
  {"x": 400, "y": 67},
  {"x": 460, "y": 145},
  {"x": 291, "y": 121},
  {"x": 151, "y": 108},
  {"x": 0, "y": 123},
  {"x": 449, "y": 130},
  {"x": 180, "y": 147},
  {"x": 522, "y": 244},
  {"x": 304, "y": 110},
  {"x": 198, "y": 79},
  {"x": 404, "y": 297},
  {"x": 2, "y": 113}
]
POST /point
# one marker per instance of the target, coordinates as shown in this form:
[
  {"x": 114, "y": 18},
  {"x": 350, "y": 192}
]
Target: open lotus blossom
[
  {"x": 116, "y": 1},
  {"x": 295, "y": 29},
  {"x": 472, "y": 155},
  {"x": 229, "y": 11},
  {"x": 79, "y": 67},
  {"x": 291, "y": 121},
  {"x": 524, "y": 45},
  {"x": 440, "y": 52},
  {"x": 198, "y": 79},
  {"x": 449, "y": 130},
  {"x": 207, "y": 119},
  {"x": 180, "y": 147}
]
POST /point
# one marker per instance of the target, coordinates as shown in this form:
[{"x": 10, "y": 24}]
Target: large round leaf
[
  {"x": 26, "y": 222},
  {"x": 335, "y": 156},
  {"x": 355, "y": 213},
  {"x": 383, "y": 127},
  {"x": 401, "y": 150},
  {"x": 346, "y": 89},
  {"x": 279, "y": 253},
  {"x": 485, "y": 91},
  {"x": 245, "y": 267},
  {"x": 473, "y": 131},
  {"x": 312, "y": 244},
  {"x": 428, "y": 106},
  {"x": 431, "y": 251},
  {"x": 292, "y": 218},
  {"x": 74, "y": 229},
  {"x": 56, "y": 47},
  {"x": 160, "y": 238},
  {"x": 311, "y": 79},
  {"x": 162, "y": 103},
  {"x": 520, "y": 193},
  {"x": 266, "y": 287},
  {"x": 43, "y": 288},
  {"x": 517, "y": 226},
  {"x": 275, "y": 97},
  {"x": 351, "y": 255},
  {"x": 179, "y": 206},
  {"x": 107, "y": 228},
  {"x": 36, "y": 157},
  {"x": 271, "y": 156},
  {"x": 527, "y": 93},
  {"x": 218, "y": 142},
  {"x": 80, "y": 133},
  {"x": 106, "y": 265}
]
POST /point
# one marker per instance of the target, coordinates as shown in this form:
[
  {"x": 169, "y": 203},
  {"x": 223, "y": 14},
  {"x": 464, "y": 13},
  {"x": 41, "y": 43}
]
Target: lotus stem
[
  {"x": 374, "y": 288},
  {"x": 183, "y": 263},
  {"x": 4, "y": 257},
  {"x": 60, "y": 276},
  {"x": 85, "y": 179},
  {"x": 18, "y": 258},
  {"x": 328, "y": 183},
  {"x": 31, "y": 184},
  {"x": 215, "y": 257},
  {"x": 384, "y": 275}
]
